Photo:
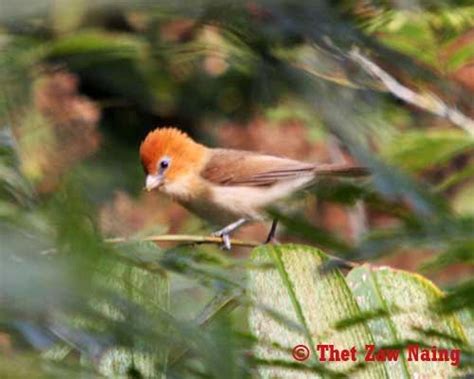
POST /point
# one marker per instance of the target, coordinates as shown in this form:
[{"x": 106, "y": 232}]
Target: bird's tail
[{"x": 345, "y": 170}]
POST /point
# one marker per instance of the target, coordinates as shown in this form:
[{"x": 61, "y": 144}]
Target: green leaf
[
  {"x": 12, "y": 184},
  {"x": 151, "y": 291},
  {"x": 466, "y": 316},
  {"x": 461, "y": 57},
  {"x": 456, "y": 253},
  {"x": 410, "y": 33},
  {"x": 106, "y": 45},
  {"x": 420, "y": 150},
  {"x": 405, "y": 301},
  {"x": 463, "y": 202},
  {"x": 302, "y": 294}
]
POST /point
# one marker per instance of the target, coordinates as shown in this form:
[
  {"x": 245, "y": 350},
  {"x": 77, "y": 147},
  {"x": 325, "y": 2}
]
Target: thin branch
[
  {"x": 426, "y": 101},
  {"x": 334, "y": 262},
  {"x": 186, "y": 238}
]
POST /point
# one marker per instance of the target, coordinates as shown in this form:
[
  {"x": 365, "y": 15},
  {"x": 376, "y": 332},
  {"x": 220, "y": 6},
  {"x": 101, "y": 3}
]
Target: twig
[
  {"x": 335, "y": 262},
  {"x": 427, "y": 101},
  {"x": 192, "y": 239}
]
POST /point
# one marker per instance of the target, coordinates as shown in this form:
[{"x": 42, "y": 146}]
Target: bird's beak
[{"x": 153, "y": 181}]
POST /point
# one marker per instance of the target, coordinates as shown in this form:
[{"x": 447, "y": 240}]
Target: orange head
[{"x": 168, "y": 154}]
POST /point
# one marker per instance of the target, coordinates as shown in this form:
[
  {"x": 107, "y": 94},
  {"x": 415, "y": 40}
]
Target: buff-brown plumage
[{"x": 223, "y": 185}]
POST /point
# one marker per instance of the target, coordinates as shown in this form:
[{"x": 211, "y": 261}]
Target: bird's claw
[
  {"x": 224, "y": 233},
  {"x": 226, "y": 244}
]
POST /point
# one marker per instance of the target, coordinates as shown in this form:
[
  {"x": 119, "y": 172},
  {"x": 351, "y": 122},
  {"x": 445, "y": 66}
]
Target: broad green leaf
[
  {"x": 298, "y": 290},
  {"x": 466, "y": 317},
  {"x": 404, "y": 302},
  {"x": 151, "y": 291}
]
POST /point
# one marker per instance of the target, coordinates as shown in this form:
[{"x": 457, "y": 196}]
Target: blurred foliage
[{"x": 82, "y": 82}]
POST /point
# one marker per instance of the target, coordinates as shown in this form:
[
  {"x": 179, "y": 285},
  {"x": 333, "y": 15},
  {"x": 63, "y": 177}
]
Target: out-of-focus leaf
[
  {"x": 341, "y": 191},
  {"x": 149, "y": 290},
  {"x": 31, "y": 366},
  {"x": 298, "y": 290},
  {"x": 411, "y": 33},
  {"x": 457, "y": 17},
  {"x": 461, "y": 57},
  {"x": 466, "y": 317},
  {"x": 463, "y": 202},
  {"x": 462, "y": 252},
  {"x": 98, "y": 45},
  {"x": 460, "y": 297},
  {"x": 419, "y": 33},
  {"x": 298, "y": 225},
  {"x": 12, "y": 184},
  {"x": 143, "y": 254},
  {"x": 406, "y": 301},
  {"x": 222, "y": 303},
  {"x": 387, "y": 179},
  {"x": 457, "y": 177},
  {"x": 440, "y": 234},
  {"x": 419, "y": 150}
]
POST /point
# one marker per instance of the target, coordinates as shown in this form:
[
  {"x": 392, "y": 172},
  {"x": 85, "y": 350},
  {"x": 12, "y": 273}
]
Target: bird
[{"x": 226, "y": 187}]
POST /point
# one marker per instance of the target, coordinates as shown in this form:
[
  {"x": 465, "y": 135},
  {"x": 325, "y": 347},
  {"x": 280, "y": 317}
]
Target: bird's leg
[
  {"x": 272, "y": 232},
  {"x": 226, "y": 245},
  {"x": 230, "y": 228},
  {"x": 226, "y": 231}
]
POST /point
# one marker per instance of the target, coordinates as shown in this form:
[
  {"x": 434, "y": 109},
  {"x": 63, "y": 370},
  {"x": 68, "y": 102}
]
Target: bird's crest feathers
[{"x": 170, "y": 142}]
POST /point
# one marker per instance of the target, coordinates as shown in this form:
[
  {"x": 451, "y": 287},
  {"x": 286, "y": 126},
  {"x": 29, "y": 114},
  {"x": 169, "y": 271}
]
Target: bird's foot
[
  {"x": 224, "y": 233},
  {"x": 226, "y": 244}
]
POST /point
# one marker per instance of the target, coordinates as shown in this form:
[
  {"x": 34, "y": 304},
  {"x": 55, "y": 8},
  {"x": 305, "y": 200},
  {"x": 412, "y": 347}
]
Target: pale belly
[{"x": 223, "y": 205}]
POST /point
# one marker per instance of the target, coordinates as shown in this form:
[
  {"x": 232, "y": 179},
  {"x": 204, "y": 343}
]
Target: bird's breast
[{"x": 222, "y": 205}]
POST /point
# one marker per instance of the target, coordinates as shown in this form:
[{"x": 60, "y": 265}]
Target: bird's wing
[{"x": 242, "y": 168}]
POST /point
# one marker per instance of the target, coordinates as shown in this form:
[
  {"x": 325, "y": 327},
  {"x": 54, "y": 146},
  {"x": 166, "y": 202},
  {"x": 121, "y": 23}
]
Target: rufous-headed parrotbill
[{"x": 223, "y": 186}]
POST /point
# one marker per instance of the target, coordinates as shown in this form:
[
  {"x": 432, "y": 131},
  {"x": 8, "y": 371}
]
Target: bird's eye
[{"x": 164, "y": 164}]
